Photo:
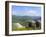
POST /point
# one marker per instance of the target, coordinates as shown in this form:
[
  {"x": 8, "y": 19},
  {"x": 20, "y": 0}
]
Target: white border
[{"x": 29, "y": 31}]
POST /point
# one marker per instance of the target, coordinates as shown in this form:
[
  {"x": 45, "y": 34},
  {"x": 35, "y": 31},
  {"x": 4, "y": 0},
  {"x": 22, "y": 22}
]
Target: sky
[{"x": 26, "y": 10}]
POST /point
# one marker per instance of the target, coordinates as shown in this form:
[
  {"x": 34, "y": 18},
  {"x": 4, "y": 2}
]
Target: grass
[
  {"x": 15, "y": 28},
  {"x": 21, "y": 29}
]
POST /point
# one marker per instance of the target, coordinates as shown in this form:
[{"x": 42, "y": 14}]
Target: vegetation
[
  {"x": 24, "y": 21},
  {"x": 17, "y": 29}
]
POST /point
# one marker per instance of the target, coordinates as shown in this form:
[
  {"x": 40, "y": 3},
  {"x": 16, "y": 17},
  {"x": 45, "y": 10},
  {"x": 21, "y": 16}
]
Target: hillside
[{"x": 24, "y": 18}]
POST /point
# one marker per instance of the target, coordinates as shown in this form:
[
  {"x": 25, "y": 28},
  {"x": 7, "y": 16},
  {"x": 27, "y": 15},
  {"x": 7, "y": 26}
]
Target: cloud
[
  {"x": 31, "y": 13},
  {"x": 26, "y": 13}
]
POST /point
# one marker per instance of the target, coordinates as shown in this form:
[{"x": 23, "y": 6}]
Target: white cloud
[
  {"x": 31, "y": 13},
  {"x": 26, "y": 13}
]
